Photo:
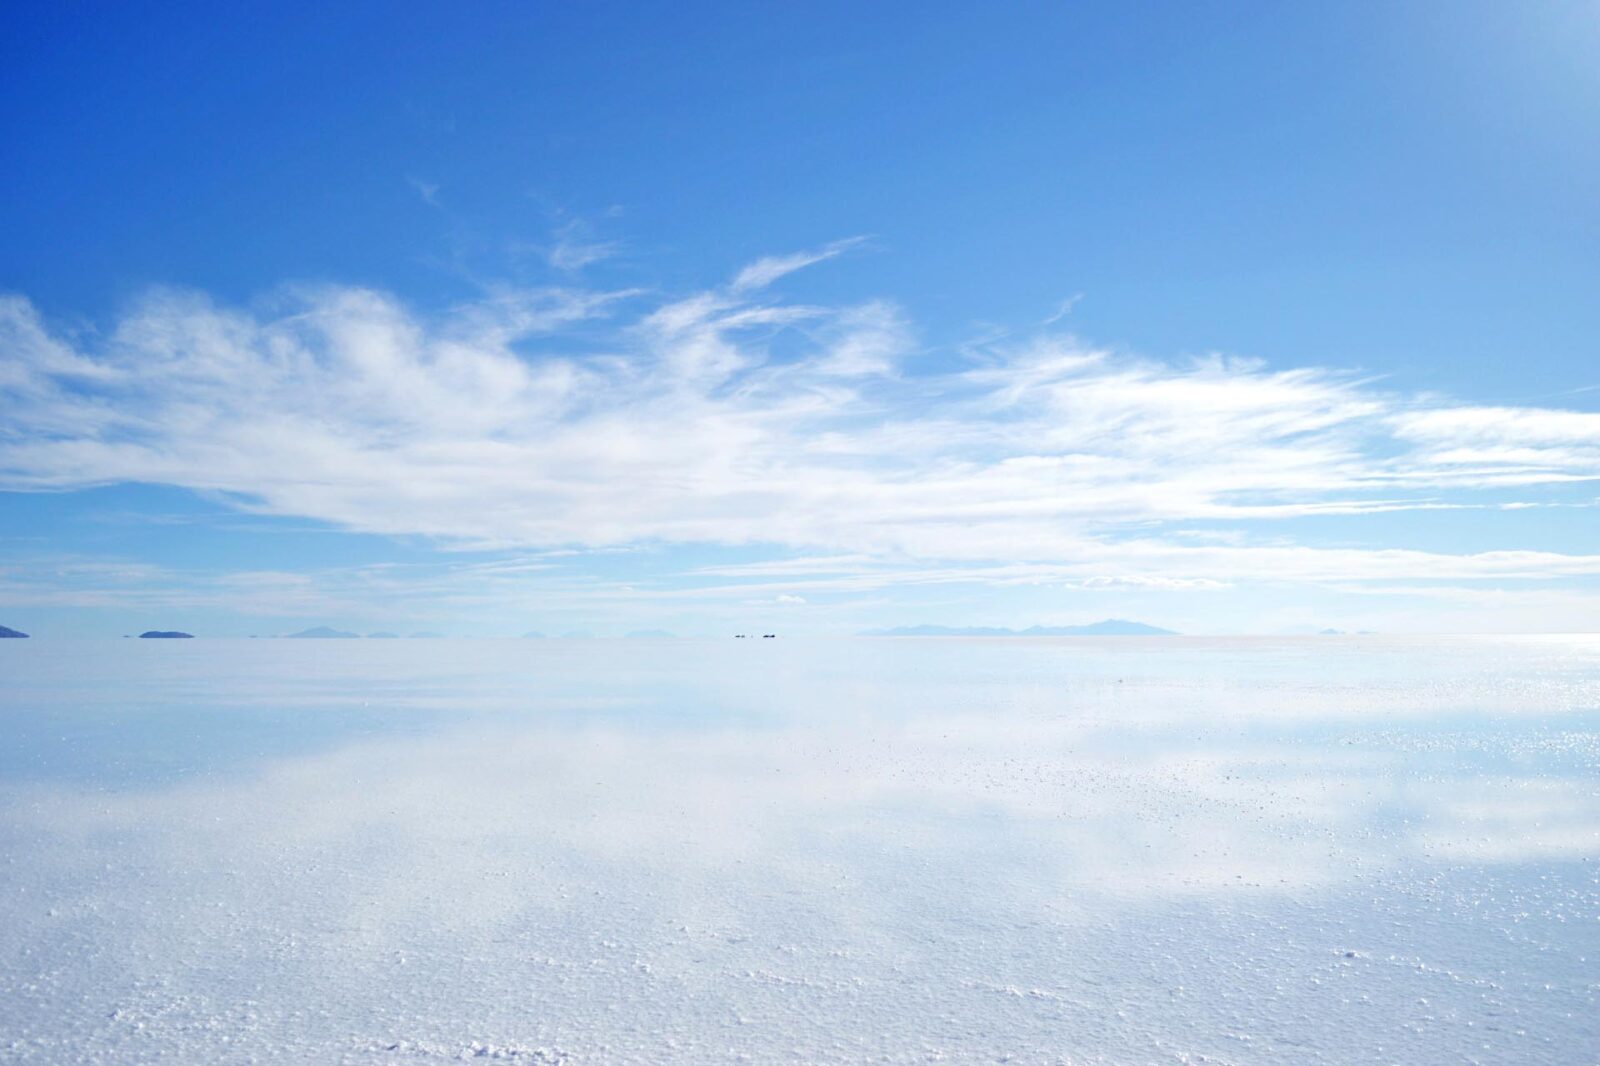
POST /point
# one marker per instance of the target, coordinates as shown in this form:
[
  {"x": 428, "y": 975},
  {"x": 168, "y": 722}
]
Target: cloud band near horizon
[{"x": 560, "y": 417}]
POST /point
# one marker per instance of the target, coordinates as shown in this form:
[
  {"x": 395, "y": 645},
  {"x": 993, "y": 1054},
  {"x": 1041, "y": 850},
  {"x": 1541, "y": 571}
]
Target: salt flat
[{"x": 1339, "y": 850}]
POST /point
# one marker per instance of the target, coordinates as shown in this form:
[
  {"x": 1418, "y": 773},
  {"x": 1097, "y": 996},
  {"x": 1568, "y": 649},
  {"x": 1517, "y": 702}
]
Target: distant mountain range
[
  {"x": 1111, "y": 627},
  {"x": 165, "y": 634},
  {"x": 7, "y": 632}
]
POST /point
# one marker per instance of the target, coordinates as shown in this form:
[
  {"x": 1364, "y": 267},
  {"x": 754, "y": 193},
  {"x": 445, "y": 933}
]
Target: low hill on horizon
[
  {"x": 7, "y": 631},
  {"x": 324, "y": 632}
]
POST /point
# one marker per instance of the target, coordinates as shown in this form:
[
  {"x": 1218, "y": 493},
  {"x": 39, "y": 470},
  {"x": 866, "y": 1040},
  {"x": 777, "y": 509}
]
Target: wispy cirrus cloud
[
  {"x": 1504, "y": 445},
  {"x": 577, "y": 416},
  {"x": 768, "y": 269},
  {"x": 576, "y": 247}
]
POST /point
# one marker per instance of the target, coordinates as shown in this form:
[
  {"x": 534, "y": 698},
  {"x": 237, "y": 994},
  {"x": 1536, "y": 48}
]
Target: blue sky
[{"x": 1232, "y": 318}]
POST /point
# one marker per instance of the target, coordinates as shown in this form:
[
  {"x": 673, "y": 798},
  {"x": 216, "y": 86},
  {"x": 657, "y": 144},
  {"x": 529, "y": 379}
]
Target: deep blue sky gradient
[{"x": 1404, "y": 188}]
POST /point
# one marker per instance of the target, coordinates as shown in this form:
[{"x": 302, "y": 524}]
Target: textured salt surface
[{"x": 1063, "y": 851}]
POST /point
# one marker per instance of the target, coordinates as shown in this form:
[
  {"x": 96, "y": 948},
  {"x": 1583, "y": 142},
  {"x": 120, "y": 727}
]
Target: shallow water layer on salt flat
[{"x": 1058, "y": 851}]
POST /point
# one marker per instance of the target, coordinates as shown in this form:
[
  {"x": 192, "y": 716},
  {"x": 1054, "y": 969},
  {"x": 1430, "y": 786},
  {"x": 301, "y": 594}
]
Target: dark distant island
[
  {"x": 1111, "y": 627},
  {"x": 383, "y": 636},
  {"x": 324, "y": 632},
  {"x": 7, "y": 632},
  {"x": 165, "y": 634}
]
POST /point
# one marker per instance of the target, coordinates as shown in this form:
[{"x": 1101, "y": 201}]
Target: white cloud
[
  {"x": 1505, "y": 445},
  {"x": 1063, "y": 309},
  {"x": 560, "y": 417},
  {"x": 576, "y": 247},
  {"x": 765, "y": 271}
]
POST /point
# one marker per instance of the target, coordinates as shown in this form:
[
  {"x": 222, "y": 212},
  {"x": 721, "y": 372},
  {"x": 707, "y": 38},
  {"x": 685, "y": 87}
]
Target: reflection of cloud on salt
[
  {"x": 493, "y": 802},
  {"x": 1513, "y": 819},
  {"x": 826, "y": 857}
]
